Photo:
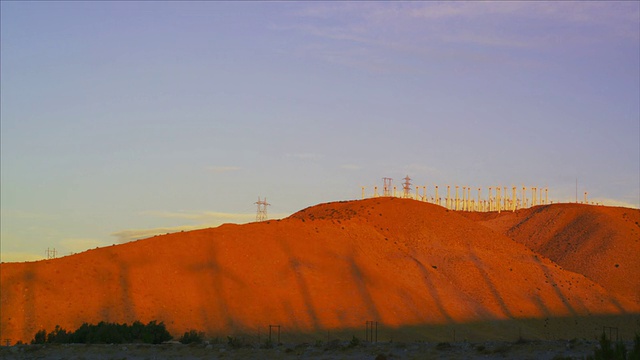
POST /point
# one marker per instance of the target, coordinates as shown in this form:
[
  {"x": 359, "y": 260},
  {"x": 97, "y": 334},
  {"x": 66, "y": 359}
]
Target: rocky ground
[{"x": 559, "y": 349}]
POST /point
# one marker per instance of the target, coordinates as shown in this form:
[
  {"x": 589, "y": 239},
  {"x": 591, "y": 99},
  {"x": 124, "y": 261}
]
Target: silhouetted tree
[
  {"x": 106, "y": 333},
  {"x": 40, "y": 337},
  {"x": 58, "y": 336}
]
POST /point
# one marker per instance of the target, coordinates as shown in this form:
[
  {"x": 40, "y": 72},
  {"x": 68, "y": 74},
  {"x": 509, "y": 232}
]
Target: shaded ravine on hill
[
  {"x": 599, "y": 242},
  {"x": 332, "y": 266}
]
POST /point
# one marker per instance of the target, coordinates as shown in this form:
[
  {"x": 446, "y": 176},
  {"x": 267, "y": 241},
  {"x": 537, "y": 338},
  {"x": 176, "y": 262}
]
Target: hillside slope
[
  {"x": 331, "y": 266},
  {"x": 602, "y": 243}
]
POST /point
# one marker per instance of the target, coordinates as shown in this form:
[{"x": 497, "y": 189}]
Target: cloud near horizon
[
  {"x": 205, "y": 216},
  {"x": 79, "y": 245},
  {"x": 205, "y": 220},
  {"x": 17, "y": 256},
  {"x": 125, "y": 236}
]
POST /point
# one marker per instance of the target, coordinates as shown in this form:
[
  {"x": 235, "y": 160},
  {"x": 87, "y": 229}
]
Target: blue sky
[{"x": 125, "y": 119}]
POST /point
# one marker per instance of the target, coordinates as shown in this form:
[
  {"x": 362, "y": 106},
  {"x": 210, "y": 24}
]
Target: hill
[
  {"x": 329, "y": 267},
  {"x": 599, "y": 242}
]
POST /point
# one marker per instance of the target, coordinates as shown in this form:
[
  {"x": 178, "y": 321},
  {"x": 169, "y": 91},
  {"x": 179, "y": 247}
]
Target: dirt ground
[{"x": 537, "y": 349}]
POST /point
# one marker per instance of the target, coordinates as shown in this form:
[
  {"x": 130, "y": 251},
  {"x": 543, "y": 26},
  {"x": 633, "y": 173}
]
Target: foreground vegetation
[
  {"x": 106, "y": 333},
  {"x": 156, "y": 333}
]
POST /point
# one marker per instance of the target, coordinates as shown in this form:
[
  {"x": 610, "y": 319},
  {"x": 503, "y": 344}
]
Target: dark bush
[
  {"x": 234, "y": 342},
  {"x": 192, "y": 337},
  {"x": 608, "y": 352},
  {"x": 354, "y": 342},
  {"x": 635, "y": 353}
]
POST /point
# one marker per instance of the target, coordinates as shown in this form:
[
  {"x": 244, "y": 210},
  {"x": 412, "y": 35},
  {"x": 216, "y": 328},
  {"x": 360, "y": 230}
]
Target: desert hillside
[
  {"x": 599, "y": 242},
  {"x": 332, "y": 266}
]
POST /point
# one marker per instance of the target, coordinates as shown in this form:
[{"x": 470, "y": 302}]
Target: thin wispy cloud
[
  {"x": 125, "y": 236},
  {"x": 426, "y": 29},
  {"x": 78, "y": 245},
  {"x": 350, "y": 167},
  {"x": 304, "y": 156},
  {"x": 203, "y": 220},
  {"x": 615, "y": 202},
  {"x": 17, "y": 256},
  {"x": 224, "y": 169},
  {"x": 207, "y": 216}
]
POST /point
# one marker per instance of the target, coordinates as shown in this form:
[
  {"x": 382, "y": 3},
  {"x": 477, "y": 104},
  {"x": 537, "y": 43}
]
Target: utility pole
[{"x": 274, "y": 327}]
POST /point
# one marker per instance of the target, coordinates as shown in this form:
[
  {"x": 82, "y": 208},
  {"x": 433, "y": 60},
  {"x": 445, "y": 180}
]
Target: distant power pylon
[
  {"x": 387, "y": 186},
  {"x": 406, "y": 187},
  {"x": 51, "y": 253},
  {"x": 261, "y": 213}
]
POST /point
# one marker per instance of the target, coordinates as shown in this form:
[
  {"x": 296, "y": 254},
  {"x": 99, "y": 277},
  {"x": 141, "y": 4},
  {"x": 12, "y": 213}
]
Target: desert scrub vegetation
[
  {"x": 607, "y": 350},
  {"x": 192, "y": 337},
  {"x": 106, "y": 333}
]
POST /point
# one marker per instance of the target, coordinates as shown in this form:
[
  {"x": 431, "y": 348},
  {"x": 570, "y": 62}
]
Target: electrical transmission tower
[
  {"x": 261, "y": 213},
  {"x": 387, "y": 186},
  {"x": 51, "y": 253},
  {"x": 406, "y": 187}
]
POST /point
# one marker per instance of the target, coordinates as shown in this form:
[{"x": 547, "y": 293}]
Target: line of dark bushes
[{"x": 106, "y": 333}]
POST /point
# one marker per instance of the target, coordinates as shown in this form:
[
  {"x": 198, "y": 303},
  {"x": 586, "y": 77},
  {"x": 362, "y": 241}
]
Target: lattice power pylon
[
  {"x": 406, "y": 187},
  {"x": 387, "y": 186},
  {"x": 261, "y": 213},
  {"x": 51, "y": 253}
]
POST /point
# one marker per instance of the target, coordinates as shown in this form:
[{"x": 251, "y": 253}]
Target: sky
[{"x": 121, "y": 120}]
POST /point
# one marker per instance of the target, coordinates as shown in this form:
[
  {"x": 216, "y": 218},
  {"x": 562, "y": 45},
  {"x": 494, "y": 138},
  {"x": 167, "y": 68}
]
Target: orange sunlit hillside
[
  {"x": 330, "y": 266},
  {"x": 599, "y": 242}
]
